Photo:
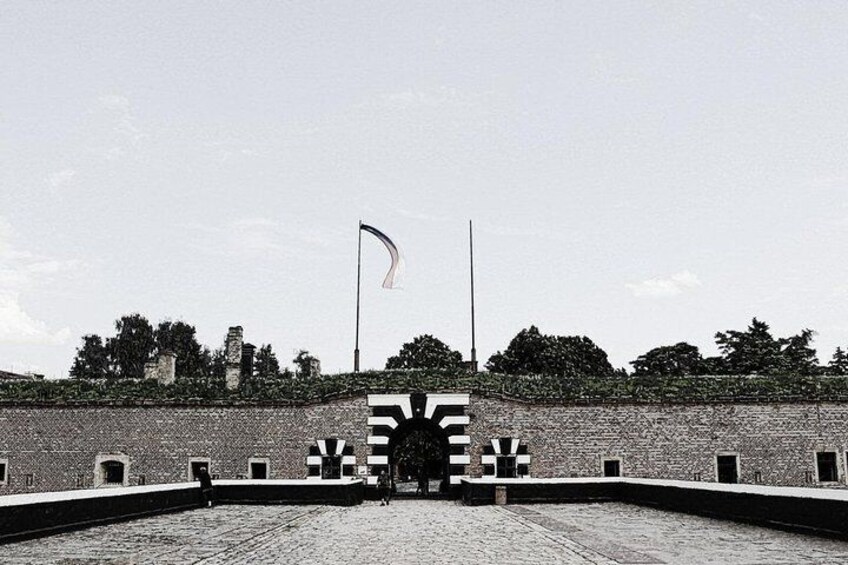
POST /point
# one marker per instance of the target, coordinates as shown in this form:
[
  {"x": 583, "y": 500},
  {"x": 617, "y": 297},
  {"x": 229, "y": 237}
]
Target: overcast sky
[{"x": 642, "y": 173}]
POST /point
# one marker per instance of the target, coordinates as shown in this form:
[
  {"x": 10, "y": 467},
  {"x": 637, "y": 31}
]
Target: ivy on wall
[{"x": 530, "y": 388}]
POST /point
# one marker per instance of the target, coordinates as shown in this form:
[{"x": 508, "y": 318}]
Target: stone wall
[
  {"x": 778, "y": 441},
  {"x": 58, "y": 446},
  {"x": 55, "y": 447}
]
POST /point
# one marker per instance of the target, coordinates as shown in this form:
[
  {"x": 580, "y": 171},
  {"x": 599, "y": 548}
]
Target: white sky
[{"x": 639, "y": 172}]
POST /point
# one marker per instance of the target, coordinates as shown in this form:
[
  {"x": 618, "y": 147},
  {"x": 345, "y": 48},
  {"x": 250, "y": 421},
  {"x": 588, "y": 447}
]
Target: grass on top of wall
[{"x": 526, "y": 388}]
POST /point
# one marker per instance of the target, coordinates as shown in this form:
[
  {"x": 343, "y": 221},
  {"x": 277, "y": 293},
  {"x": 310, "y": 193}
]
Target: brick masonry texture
[{"x": 58, "y": 445}]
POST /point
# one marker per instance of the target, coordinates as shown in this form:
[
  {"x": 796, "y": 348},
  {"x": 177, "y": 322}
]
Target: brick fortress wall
[
  {"x": 58, "y": 445},
  {"x": 778, "y": 441}
]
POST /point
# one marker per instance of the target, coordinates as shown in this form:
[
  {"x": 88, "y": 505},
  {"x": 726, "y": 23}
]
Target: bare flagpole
[
  {"x": 473, "y": 334},
  {"x": 358, "y": 277}
]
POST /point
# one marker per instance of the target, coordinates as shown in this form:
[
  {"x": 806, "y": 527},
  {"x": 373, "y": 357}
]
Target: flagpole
[
  {"x": 358, "y": 278},
  {"x": 473, "y": 334}
]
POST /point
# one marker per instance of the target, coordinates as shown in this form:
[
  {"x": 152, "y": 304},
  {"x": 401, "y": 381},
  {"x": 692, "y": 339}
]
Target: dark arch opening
[{"x": 431, "y": 446}]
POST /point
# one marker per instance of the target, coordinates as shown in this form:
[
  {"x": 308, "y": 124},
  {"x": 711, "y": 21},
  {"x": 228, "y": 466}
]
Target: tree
[
  {"x": 799, "y": 358},
  {"x": 838, "y": 365},
  {"x": 680, "y": 359},
  {"x": 425, "y": 352},
  {"x": 525, "y": 354},
  {"x": 532, "y": 353},
  {"x": 180, "y": 338},
  {"x": 92, "y": 360},
  {"x": 756, "y": 352},
  {"x": 266, "y": 366},
  {"x": 306, "y": 365},
  {"x": 132, "y": 347}
]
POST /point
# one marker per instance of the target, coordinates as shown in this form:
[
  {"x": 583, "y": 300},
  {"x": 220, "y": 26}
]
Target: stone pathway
[{"x": 425, "y": 531}]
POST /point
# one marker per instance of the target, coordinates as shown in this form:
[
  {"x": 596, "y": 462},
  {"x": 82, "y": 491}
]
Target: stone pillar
[
  {"x": 167, "y": 370},
  {"x": 233, "y": 346},
  {"x": 163, "y": 368}
]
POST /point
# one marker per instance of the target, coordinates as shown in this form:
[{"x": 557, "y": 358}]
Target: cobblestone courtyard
[{"x": 418, "y": 531}]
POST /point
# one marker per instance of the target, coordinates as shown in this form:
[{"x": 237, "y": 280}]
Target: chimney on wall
[
  {"x": 163, "y": 368},
  {"x": 247, "y": 352},
  {"x": 233, "y": 346}
]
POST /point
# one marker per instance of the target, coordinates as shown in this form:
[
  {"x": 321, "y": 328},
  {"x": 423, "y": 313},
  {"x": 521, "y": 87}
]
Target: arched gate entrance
[{"x": 437, "y": 419}]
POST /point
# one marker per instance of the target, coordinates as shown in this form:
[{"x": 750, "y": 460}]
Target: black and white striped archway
[
  {"x": 391, "y": 412},
  {"x": 506, "y": 458},
  {"x": 330, "y": 458}
]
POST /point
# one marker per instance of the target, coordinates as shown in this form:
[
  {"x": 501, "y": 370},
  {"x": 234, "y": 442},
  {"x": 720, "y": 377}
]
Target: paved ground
[{"x": 419, "y": 531}]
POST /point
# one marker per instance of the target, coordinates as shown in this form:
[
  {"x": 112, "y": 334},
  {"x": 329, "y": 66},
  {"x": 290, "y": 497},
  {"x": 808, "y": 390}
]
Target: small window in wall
[
  {"x": 113, "y": 472},
  {"x": 4, "y": 472},
  {"x": 257, "y": 468},
  {"x": 111, "y": 469},
  {"x": 612, "y": 467},
  {"x": 197, "y": 463},
  {"x": 505, "y": 467},
  {"x": 331, "y": 467},
  {"x": 727, "y": 470},
  {"x": 826, "y": 465}
]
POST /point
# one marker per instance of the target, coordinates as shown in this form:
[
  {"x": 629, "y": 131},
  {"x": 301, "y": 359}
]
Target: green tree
[
  {"x": 680, "y": 359},
  {"x": 92, "y": 360},
  {"x": 532, "y": 353},
  {"x": 525, "y": 354},
  {"x": 756, "y": 352},
  {"x": 798, "y": 357},
  {"x": 425, "y": 352},
  {"x": 304, "y": 363},
  {"x": 838, "y": 364},
  {"x": 266, "y": 366},
  {"x": 180, "y": 338},
  {"x": 132, "y": 347},
  {"x": 417, "y": 449}
]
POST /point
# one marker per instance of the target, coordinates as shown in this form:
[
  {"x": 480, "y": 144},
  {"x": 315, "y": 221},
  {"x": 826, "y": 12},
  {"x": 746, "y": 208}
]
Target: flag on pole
[{"x": 392, "y": 279}]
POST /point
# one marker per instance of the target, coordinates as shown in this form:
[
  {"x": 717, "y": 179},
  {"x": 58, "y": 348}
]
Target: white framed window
[
  {"x": 111, "y": 470},
  {"x": 259, "y": 468},
  {"x": 827, "y": 467},
  {"x": 727, "y": 467},
  {"x": 4, "y": 472},
  {"x": 197, "y": 463},
  {"x": 611, "y": 467}
]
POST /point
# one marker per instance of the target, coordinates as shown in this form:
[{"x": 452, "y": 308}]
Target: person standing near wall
[
  {"x": 206, "y": 489},
  {"x": 385, "y": 488}
]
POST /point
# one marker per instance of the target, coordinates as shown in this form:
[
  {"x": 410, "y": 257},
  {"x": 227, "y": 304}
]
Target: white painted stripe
[
  {"x": 378, "y": 459},
  {"x": 513, "y": 448},
  {"x": 522, "y": 459},
  {"x": 457, "y": 479},
  {"x": 313, "y": 459},
  {"x": 322, "y": 446},
  {"x": 454, "y": 421},
  {"x": 496, "y": 445},
  {"x": 340, "y": 445},
  {"x": 382, "y": 421},
  {"x": 460, "y": 460},
  {"x": 377, "y": 440},
  {"x": 401, "y": 400},
  {"x": 348, "y": 459},
  {"x": 459, "y": 440},
  {"x": 318, "y": 478},
  {"x": 434, "y": 400},
  {"x": 487, "y": 459}
]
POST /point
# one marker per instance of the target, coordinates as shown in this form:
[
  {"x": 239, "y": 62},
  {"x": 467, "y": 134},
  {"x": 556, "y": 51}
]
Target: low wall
[
  {"x": 35, "y": 515},
  {"x": 340, "y": 492},
  {"x": 806, "y": 510}
]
